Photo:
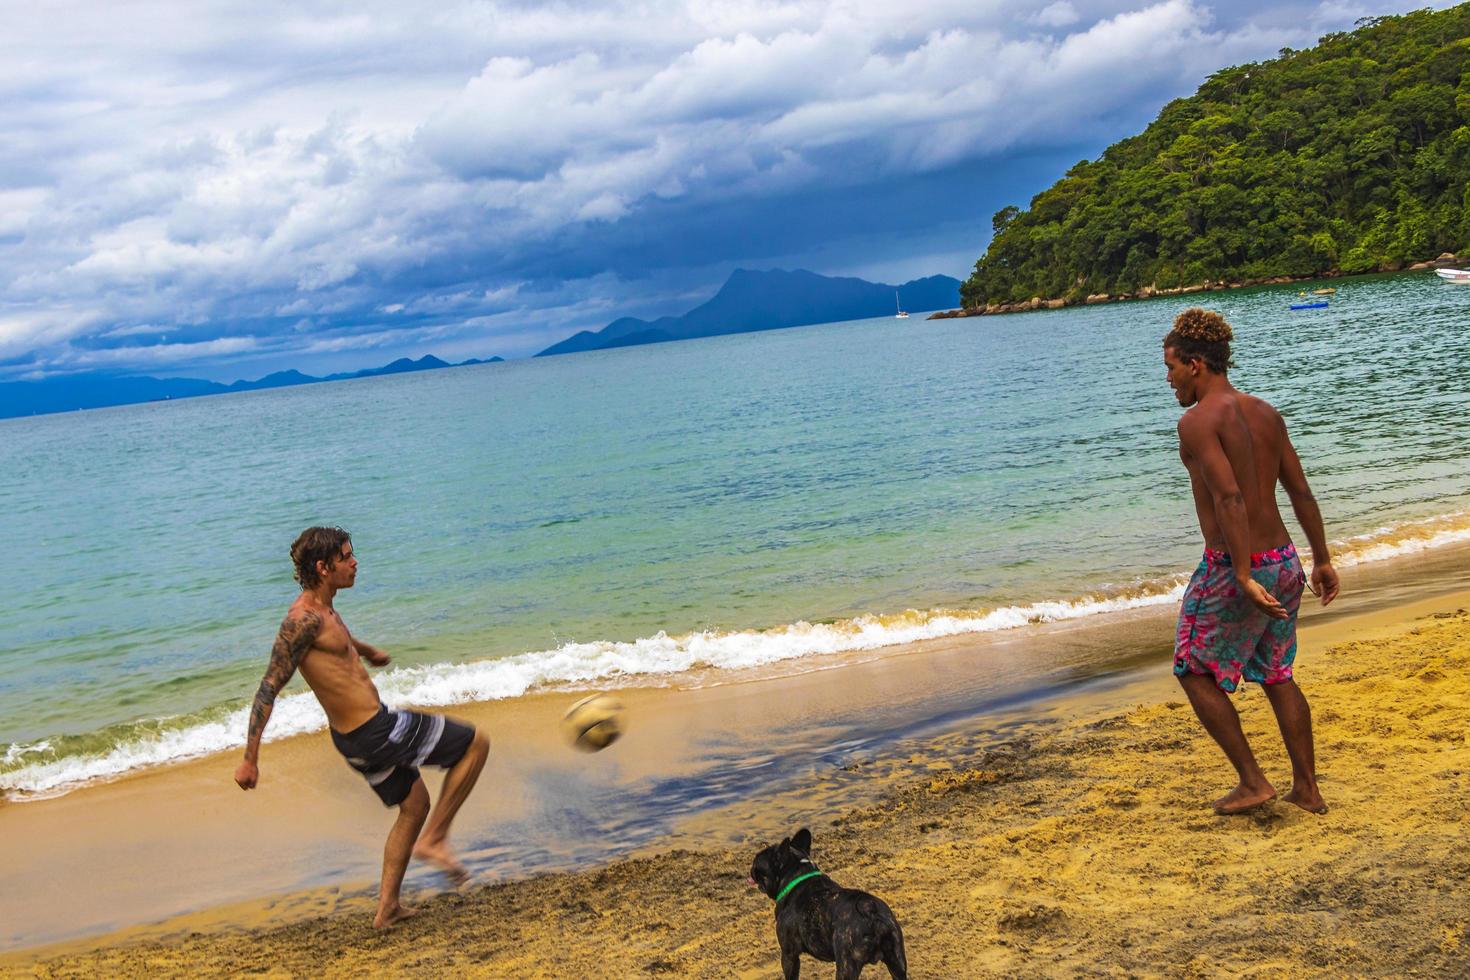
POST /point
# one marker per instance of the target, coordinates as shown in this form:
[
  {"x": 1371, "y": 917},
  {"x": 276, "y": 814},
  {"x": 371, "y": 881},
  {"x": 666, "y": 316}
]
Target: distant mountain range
[
  {"x": 76, "y": 391},
  {"x": 747, "y": 302},
  {"x": 751, "y": 301}
]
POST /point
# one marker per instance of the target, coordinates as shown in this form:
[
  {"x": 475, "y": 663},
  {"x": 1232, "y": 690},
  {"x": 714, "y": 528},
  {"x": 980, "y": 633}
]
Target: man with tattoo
[{"x": 387, "y": 747}]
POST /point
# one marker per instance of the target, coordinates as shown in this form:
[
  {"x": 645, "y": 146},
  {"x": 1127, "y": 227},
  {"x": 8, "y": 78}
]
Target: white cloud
[
  {"x": 192, "y": 167},
  {"x": 18, "y": 207},
  {"x": 1059, "y": 14},
  {"x": 155, "y": 355}
]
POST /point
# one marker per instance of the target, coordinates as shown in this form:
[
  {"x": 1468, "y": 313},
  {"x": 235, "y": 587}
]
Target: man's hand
[
  {"x": 368, "y": 652},
  {"x": 1324, "y": 581},
  {"x": 1261, "y": 599},
  {"x": 246, "y": 774}
]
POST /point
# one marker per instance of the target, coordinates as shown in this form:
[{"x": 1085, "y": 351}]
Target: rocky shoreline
[{"x": 1152, "y": 292}]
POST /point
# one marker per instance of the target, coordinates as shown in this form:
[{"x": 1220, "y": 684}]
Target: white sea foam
[
  {"x": 1407, "y": 538},
  {"x": 15, "y": 753},
  {"x": 50, "y": 776},
  {"x": 174, "y": 740},
  {"x": 571, "y": 663}
]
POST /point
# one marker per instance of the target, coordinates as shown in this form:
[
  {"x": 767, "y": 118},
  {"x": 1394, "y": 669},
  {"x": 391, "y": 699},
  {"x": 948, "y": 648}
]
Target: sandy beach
[
  {"x": 378, "y": 386},
  {"x": 1078, "y": 844}
]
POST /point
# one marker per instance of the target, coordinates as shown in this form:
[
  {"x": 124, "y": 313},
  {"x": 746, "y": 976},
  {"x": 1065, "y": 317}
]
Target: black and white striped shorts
[{"x": 389, "y": 748}]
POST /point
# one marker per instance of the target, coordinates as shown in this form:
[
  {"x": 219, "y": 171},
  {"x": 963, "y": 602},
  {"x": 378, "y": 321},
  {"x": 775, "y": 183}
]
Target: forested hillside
[{"x": 1352, "y": 156}]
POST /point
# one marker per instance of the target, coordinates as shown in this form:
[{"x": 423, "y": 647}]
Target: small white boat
[
  {"x": 900, "y": 315},
  {"x": 1454, "y": 275}
]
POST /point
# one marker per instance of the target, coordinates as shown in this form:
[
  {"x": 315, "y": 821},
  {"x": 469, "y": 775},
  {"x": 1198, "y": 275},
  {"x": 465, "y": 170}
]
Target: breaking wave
[{"x": 53, "y": 766}]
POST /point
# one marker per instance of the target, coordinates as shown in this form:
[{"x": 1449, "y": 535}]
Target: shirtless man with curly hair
[
  {"x": 1238, "y": 618},
  {"x": 386, "y": 747}
]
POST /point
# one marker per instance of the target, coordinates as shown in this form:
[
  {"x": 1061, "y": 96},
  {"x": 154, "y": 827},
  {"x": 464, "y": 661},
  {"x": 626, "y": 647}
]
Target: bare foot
[
  {"x": 388, "y": 918},
  {"x": 442, "y": 858},
  {"x": 1310, "y": 801},
  {"x": 1242, "y": 799}
]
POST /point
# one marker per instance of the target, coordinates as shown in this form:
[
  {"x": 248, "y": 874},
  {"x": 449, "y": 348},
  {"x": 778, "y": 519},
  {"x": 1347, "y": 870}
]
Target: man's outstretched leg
[
  {"x": 1220, "y": 719},
  {"x": 411, "y": 815},
  {"x": 1294, "y": 716},
  {"x": 433, "y": 844}
]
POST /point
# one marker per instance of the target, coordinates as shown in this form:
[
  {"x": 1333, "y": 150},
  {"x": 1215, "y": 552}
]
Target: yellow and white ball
[{"x": 593, "y": 723}]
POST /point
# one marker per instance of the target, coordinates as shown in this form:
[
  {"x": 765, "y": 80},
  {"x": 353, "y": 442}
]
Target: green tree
[{"x": 1352, "y": 155}]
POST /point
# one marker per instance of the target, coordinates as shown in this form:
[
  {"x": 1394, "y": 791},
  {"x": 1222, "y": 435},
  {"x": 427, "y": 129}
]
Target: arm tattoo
[{"x": 298, "y": 635}]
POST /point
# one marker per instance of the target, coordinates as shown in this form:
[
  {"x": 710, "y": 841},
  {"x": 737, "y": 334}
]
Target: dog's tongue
[{"x": 752, "y": 882}]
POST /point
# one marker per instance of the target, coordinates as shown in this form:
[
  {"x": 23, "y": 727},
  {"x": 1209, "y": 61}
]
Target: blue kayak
[{"x": 1318, "y": 305}]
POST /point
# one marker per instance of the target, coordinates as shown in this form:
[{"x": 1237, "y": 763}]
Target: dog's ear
[{"x": 802, "y": 841}]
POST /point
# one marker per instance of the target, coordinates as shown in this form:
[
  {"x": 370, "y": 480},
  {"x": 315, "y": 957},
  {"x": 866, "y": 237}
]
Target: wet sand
[
  {"x": 1072, "y": 841},
  {"x": 310, "y": 837}
]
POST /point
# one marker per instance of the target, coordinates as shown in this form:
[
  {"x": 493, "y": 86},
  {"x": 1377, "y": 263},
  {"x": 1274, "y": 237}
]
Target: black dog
[{"x": 817, "y": 917}]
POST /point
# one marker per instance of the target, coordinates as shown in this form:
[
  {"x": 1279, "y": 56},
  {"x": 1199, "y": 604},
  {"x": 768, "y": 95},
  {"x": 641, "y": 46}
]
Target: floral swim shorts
[{"x": 1223, "y": 634}]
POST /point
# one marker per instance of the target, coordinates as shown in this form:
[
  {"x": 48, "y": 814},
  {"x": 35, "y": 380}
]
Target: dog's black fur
[{"x": 824, "y": 920}]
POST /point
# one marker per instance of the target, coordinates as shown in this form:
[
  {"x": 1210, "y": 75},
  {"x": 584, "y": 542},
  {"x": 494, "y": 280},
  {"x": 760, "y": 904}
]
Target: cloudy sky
[{"x": 220, "y": 190}]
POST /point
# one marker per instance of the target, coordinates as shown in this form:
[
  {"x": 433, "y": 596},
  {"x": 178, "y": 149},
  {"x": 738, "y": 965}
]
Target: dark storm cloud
[{"x": 231, "y": 187}]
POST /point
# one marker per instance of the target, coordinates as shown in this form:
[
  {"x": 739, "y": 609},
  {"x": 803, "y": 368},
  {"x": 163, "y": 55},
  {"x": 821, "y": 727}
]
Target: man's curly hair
[{"x": 1202, "y": 335}]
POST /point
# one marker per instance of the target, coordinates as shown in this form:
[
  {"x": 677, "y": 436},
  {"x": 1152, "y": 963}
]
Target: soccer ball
[{"x": 594, "y": 723}]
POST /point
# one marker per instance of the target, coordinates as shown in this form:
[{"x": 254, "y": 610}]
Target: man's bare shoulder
[
  {"x": 1258, "y": 407},
  {"x": 302, "y": 617},
  {"x": 300, "y": 633},
  {"x": 1202, "y": 418}
]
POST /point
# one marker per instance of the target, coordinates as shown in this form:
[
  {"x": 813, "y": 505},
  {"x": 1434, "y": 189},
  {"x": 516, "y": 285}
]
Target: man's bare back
[{"x": 1253, "y": 437}]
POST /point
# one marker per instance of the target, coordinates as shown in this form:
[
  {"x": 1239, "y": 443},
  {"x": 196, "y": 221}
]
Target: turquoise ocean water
[{"x": 621, "y": 516}]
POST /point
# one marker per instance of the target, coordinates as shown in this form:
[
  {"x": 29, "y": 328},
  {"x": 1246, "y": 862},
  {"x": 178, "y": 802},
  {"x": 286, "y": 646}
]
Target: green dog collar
[{"x": 796, "y": 881}]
